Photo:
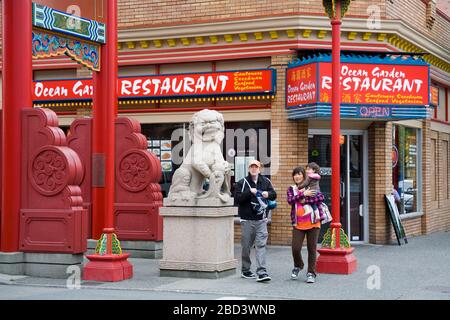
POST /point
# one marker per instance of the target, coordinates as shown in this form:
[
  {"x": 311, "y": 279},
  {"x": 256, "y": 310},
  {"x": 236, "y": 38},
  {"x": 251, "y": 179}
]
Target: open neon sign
[{"x": 374, "y": 112}]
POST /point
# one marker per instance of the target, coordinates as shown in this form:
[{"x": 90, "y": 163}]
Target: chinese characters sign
[
  {"x": 164, "y": 86},
  {"x": 361, "y": 84},
  {"x": 301, "y": 85}
]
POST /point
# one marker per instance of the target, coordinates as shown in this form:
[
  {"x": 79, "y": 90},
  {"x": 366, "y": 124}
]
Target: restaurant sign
[
  {"x": 368, "y": 90},
  {"x": 248, "y": 82},
  {"x": 434, "y": 96}
]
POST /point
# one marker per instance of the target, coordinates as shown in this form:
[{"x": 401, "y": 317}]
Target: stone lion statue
[{"x": 203, "y": 163}]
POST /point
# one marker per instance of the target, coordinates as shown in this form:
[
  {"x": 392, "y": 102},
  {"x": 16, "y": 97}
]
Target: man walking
[{"x": 253, "y": 216}]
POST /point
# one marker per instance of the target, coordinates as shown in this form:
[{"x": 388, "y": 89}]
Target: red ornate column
[
  {"x": 17, "y": 80},
  {"x": 108, "y": 263},
  {"x": 104, "y": 115}
]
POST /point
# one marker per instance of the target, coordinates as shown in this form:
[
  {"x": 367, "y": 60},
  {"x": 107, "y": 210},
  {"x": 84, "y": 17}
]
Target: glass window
[
  {"x": 166, "y": 141},
  {"x": 406, "y": 168},
  {"x": 243, "y": 141}
]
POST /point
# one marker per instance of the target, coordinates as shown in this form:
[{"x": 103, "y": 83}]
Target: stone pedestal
[{"x": 198, "y": 242}]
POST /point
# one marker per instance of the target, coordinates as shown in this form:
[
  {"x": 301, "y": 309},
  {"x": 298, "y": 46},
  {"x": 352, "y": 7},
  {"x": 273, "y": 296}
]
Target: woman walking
[{"x": 302, "y": 225}]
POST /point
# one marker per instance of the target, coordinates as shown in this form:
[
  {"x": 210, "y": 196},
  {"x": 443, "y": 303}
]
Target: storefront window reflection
[
  {"x": 405, "y": 168},
  {"x": 244, "y": 141}
]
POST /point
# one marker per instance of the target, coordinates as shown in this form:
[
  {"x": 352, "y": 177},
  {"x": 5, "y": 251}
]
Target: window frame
[
  {"x": 419, "y": 171},
  {"x": 442, "y": 103}
]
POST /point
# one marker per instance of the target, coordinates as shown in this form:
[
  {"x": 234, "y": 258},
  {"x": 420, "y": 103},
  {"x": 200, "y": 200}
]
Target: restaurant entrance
[{"x": 354, "y": 178}]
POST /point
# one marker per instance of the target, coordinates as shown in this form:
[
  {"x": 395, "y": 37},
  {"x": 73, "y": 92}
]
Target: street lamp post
[{"x": 336, "y": 254}]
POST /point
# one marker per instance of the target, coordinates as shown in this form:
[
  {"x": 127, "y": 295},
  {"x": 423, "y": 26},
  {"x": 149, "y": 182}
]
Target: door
[{"x": 354, "y": 182}]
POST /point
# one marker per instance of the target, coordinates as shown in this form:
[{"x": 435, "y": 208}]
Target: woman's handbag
[{"x": 271, "y": 204}]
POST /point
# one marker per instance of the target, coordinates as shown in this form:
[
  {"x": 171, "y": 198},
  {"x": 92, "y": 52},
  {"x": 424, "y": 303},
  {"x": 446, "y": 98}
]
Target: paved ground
[{"x": 418, "y": 270}]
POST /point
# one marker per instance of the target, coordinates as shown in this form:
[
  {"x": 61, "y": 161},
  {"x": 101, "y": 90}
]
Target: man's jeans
[{"x": 254, "y": 232}]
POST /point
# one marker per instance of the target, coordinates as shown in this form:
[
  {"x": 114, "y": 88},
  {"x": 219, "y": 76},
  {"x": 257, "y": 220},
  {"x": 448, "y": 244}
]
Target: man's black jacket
[{"x": 243, "y": 197}]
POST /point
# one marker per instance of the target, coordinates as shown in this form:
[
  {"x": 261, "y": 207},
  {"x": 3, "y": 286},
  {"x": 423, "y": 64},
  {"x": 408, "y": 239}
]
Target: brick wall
[
  {"x": 413, "y": 228},
  {"x": 426, "y": 175},
  {"x": 141, "y": 13},
  {"x": 380, "y": 180},
  {"x": 133, "y": 13},
  {"x": 438, "y": 211},
  {"x": 413, "y": 13},
  {"x": 293, "y": 151},
  {"x": 292, "y": 139}
]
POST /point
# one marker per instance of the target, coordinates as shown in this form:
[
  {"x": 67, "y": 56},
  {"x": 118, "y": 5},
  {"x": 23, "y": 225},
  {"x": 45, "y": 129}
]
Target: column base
[
  {"x": 336, "y": 261},
  {"x": 37, "y": 264},
  {"x": 136, "y": 248},
  {"x": 12, "y": 263},
  {"x": 108, "y": 268}
]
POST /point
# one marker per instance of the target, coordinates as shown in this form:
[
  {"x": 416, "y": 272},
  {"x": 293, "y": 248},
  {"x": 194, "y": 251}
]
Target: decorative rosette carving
[
  {"x": 134, "y": 170},
  {"x": 49, "y": 171}
]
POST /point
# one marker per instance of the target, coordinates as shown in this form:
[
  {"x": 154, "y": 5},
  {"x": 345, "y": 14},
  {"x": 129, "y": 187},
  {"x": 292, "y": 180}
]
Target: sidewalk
[{"x": 418, "y": 270}]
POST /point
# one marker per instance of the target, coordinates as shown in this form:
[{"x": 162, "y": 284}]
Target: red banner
[
  {"x": 361, "y": 84},
  {"x": 177, "y": 85},
  {"x": 301, "y": 85}
]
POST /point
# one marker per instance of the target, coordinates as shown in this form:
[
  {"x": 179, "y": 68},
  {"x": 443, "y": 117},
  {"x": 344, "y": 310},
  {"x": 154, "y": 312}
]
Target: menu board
[
  {"x": 166, "y": 145},
  {"x": 163, "y": 150},
  {"x": 166, "y": 166},
  {"x": 395, "y": 218}
]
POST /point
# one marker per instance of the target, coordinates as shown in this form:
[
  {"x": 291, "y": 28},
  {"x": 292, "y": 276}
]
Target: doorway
[{"x": 354, "y": 178}]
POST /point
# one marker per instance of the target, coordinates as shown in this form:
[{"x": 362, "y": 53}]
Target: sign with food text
[
  {"x": 373, "y": 84},
  {"x": 361, "y": 84},
  {"x": 434, "y": 96},
  {"x": 247, "y": 82}
]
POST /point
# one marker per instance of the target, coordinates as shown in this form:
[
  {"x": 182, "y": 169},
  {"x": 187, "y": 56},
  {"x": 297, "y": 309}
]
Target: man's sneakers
[
  {"x": 294, "y": 274},
  {"x": 263, "y": 277},
  {"x": 248, "y": 275},
  {"x": 310, "y": 278},
  {"x": 260, "y": 278}
]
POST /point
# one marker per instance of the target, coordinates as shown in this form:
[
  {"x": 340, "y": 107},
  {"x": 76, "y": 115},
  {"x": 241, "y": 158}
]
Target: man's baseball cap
[{"x": 254, "y": 163}]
